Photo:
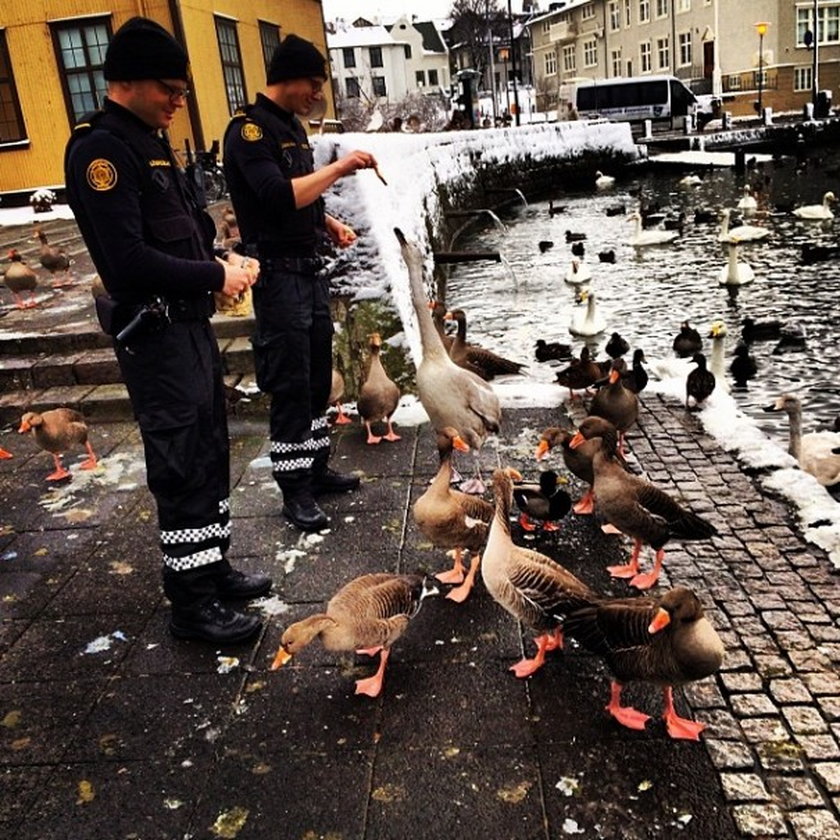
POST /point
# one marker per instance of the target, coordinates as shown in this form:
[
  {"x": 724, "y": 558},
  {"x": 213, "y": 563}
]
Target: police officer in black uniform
[
  {"x": 277, "y": 198},
  {"x": 152, "y": 245}
]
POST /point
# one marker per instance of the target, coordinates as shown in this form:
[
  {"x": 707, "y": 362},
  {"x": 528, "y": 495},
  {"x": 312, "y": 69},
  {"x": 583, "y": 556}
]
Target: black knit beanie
[
  {"x": 295, "y": 58},
  {"x": 142, "y": 49}
]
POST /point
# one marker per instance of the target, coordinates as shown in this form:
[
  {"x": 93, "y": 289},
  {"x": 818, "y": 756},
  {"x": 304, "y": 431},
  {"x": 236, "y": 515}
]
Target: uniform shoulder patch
[
  {"x": 251, "y": 132},
  {"x": 101, "y": 175}
]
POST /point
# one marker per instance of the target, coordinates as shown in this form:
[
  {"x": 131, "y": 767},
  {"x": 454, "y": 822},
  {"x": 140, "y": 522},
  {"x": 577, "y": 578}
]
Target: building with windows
[
  {"x": 715, "y": 47},
  {"x": 52, "y": 53}
]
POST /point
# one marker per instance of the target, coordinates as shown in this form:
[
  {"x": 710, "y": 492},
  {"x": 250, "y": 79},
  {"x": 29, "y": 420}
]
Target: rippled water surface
[{"x": 646, "y": 295}]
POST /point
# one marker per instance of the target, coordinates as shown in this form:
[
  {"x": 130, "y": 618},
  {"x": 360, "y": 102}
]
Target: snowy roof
[{"x": 361, "y": 36}]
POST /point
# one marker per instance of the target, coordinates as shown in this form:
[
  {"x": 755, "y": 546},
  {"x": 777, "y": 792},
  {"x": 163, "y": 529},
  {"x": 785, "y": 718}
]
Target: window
[
  {"x": 80, "y": 48},
  {"x": 803, "y": 78},
  {"x": 348, "y": 55},
  {"x": 379, "y": 86},
  {"x": 627, "y": 14},
  {"x": 644, "y": 56},
  {"x": 644, "y": 11},
  {"x": 433, "y": 77},
  {"x": 231, "y": 64},
  {"x": 546, "y": 27},
  {"x": 683, "y": 6},
  {"x": 588, "y": 11},
  {"x": 551, "y": 62},
  {"x": 662, "y": 8},
  {"x": 569, "y": 58},
  {"x": 407, "y": 50},
  {"x": 685, "y": 48},
  {"x": 615, "y": 60},
  {"x": 734, "y": 83},
  {"x": 269, "y": 40},
  {"x": 11, "y": 119},
  {"x": 615, "y": 16},
  {"x": 353, "y": 89},
  {"x": 590, "y": 53},
  {"x": 663, "y": 53},
  {"x": 420, "y": 78},
  {"x": 375, "y": 56},
  {"x": 828, "y": 24}
]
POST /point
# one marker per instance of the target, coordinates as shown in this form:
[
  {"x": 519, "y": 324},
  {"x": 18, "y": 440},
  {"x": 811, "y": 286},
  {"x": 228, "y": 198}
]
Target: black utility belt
[
  {"x": 127, "y": 320},
  {"x": 272, "y": 258}
]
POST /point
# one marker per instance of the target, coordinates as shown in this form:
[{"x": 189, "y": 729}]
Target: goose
[
  {"x": 636, "y": 379},
  {"x": 817, "y": 212},
  {"x": 735, "y": 273},
  {"x": 552, "y": 350},
  {"x": 542, "y": 503},
  {"x": 747, "y": 203},
  {"x": 743, "y": 367},
  {"x": 717, "y": 332},
  {"x": 687, "y": 341},
  {"x": 617, "y": 346},
  {"x": 533, "y": 588},
  {"x": 439, "y": 311},
  {"x": 379, "y": 396},
  {"x": 603, "y": 182},
  {"x": 453, "y": 520},
  {"x": 577, "y": 273},
  {"x": 636, "y": 507},
  {"x": 616, "y": 404},
  {"x": 646, "y": 238},
  {"x": 814, "y": 451},
  {"x": 700, "y": 383},
  {"x": 53, "y": 259},
  {"x": 19, "y": 277},
  {"x": 484, "y": 363},
  {"x": 578, "y": 461},
  {"x": 452, "y": 397},
  {"x": 56, "y": 431},
  {"x": 580, "y": 374},
  {"x": 336, "y": 395},
  {"x": 742, "y": 233},
  {"x": 667, "y": 641},
  {"x": 589, "y": 322},
  {"x": 366, "y": 615}
]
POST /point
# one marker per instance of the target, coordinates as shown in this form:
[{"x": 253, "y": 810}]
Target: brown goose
[
  {"x": 453, "y": 520},
  {"x": 56, "y": 431},
  {"x": 580, "y": 374},
  {"x": 700, "y": 383},
  {"x": 367, "y": 615},
  {"x": 439, "y": 311},
  {"x": 379, "y": 396},
  {"x": 53, "y": 259},
  {"x": 533, "y": 588},
  {"x": 637, "y": 508},
  {"x": 19, "y": 277},
  {"x": 616, "y": 403},
  {"x": 484, "y": 363},
  {"x": 336, "y": 395},
  {"x": 667, "y": 641},
  {"x": 579, "y": 460}
]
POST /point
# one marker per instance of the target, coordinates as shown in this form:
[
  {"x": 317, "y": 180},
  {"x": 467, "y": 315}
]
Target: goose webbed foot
[
  {"x": 677, "y": 726},
  {"x": 460, "y": 593},
  {"x": 372, "y": 686},
  {"x": 645, "y": 580},
  {"x": 526, "y": 523},
  {"x": 551, "y": 526},
  {"x": 456, "y": 573},
  {"x": 526, "y": 667},
  {"x": 625, "y": 715},
  {"x": 586, "y": 505}
]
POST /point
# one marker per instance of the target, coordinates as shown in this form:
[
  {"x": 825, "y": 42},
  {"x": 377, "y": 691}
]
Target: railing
[
  {"x": 562, "y": 31},
  {"x": 748, "y": 80}
]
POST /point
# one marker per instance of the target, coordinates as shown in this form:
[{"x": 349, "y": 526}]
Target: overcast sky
[{"x": 424, "y": 9}]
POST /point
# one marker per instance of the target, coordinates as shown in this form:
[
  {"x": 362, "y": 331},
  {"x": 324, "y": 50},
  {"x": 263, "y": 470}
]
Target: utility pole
[
  {"x": 513, "y": 64},
  {"x": 492, "y": 62},
  {"x": 815, "y": 76}
]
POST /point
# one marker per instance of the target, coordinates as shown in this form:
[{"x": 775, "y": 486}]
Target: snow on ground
[{"x": 10, "y": 216}]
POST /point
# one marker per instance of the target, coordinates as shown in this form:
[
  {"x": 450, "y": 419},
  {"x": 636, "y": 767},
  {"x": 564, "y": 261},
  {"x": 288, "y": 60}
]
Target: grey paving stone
[
  {"x": 829, "y": 774},
  {"x": 752, "y": 705},
  {"x": 822, "y": 683},
  {"x": 804, "y": 720},
  {"x": 791, "y": 691},
  {"x": 819, "y": 747},
  {"x": 815, "y": 825},
  {"x": 730, "y": 755},
  {"x": 792, "y": 792},
  {"x": 829, "y": 706},
  {"x": 744, "y": 787},
  {"x": 760, "y": 820}
]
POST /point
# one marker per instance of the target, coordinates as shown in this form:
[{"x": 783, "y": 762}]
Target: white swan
[
  {"x": 742, "y": 233},
  {"x": 817, "y": 212},
  {"x": 587, "y": 322},
  {"x": 814, "y": 450},
  {"x": 717, "y": 332},
  {"x": 604, "y": 182},
  {"x": 735, "y": 273},
  {"x": 645, "y": 238},
  {"x": 578, "y": 273},
  {"x": 690, "y": 181},
  {"x": 747, "y": 205}
]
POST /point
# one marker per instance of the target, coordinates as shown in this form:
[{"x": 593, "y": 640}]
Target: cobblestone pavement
[{"x": 112, "y": 729}]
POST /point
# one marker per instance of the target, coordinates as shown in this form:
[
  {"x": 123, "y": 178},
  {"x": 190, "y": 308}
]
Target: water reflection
[{"x": 647, "y": 292}]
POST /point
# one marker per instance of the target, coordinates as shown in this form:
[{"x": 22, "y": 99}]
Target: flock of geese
[{"x": 22, "y": 280}]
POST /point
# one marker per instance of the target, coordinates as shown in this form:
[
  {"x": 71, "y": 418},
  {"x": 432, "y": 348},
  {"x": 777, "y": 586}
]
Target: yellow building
[{"x": 52, "y": 52}]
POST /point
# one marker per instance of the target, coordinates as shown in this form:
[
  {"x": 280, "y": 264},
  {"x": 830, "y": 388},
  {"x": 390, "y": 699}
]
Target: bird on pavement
[{"x": 56, "y": 431}]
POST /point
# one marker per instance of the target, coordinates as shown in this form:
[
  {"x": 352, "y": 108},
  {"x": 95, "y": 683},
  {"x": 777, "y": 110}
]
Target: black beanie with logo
[
  {"x": 143, "y": 49},
  {"x": 295, "y": 58}
]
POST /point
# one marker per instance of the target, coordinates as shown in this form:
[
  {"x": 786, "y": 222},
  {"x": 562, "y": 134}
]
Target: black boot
[
  {"x": 240, "y": 585},
  {"x": 301, "y": 509},
  {"x": 329, "y": 481}
]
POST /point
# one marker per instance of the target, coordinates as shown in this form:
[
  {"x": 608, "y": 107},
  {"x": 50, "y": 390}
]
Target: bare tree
[{"x": 471, "y": 20}]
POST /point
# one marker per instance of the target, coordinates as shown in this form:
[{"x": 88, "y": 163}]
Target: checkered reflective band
[{"x": 194, "y": 560}]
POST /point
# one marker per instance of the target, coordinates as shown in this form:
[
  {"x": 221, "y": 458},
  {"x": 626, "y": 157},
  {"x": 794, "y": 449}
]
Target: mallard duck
[
  {"x": 379, "y": 396},
  {"x": 617, "y": 404},
  {"x": 645, "y": 238},
  {"x": 687, "y": 341},
  {"x": 636, "y": 507},
  {"x": 814, "y": 451},
  {"x": 617, "y": 346},
  {"x": 791, "y": 337},
  {"x": 367, "y": 615},
  {"x": 484, "y": 363},
  {"x": 578, "y": 248},
  {"x": 603, "y": 182},
  {"x": 735, "y": 273},
  {"x": 817, "y": 212},
  {"x": 667, "y": 641},
  {"x": 553, "y": 350},
  {"x": 588, "y": 322},
  {"x": 545, "y": 245},
  {"x": 752, "y": 330},
  {"x": 544, "y": 501},
  {"x": 56, "y": 431},
  {"x": 53, "y": 259},
  {"x": 747, "y": 203},
  {"x": 607, "y": 256},
  {"x": 451, "y": 519},
  {"x": 577, "y": 273},
  {"x": 718, "y": 333},
  {"x": 743, "y": 367},
  {"x": 580, "y": 374},
  {"x": 636, "y": 379},
  {"x": 336, "y": 396},
  {"x": 19, "y": 277},
  {"x": 700, "y": 382},
  {"x": 533, "y": 588},
  {"x": 742, "y": 233}
]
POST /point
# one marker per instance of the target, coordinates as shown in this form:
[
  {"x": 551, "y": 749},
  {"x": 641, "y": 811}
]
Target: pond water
[{"x": 647, "y": 293}]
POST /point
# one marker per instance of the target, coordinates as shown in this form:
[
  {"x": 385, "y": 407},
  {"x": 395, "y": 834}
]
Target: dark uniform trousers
[{"x": 293, "y": 359}]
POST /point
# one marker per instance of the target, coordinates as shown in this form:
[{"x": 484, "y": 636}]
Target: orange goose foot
[
  {"x": 391, "y": 434},
  {"x": 369, "y": 651},
  {"x": 4, "y": 454},
  {"x": 372, "y": 686},
  {"x": 625, "y": 715},
  {"x": 551, "y": 526},
  {"x": 372, "y": 439},
  {"x": 460, "y": 593},
  {"x": 645, "y": 580},
  {"x": 677, "y": 726},
  {"x": 58, "y": 473},
  {"x": 341, "y": 418},
  {"x": 526, "y": 523},
  {"x": 586, "y": 505},
  {"x": 631, "y": 570},
  {"x": 609, "y": 529},
  {"x": 526, "y": 667},
  {"x": 456, "y": 573},
  {"x": 555, "y": 639}
]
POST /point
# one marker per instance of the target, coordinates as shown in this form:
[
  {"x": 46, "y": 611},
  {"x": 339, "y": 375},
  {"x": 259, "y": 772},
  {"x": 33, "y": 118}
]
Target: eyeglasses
[
  {"x": 174, "y": 92},
  {"x": 317, "y": 85}
]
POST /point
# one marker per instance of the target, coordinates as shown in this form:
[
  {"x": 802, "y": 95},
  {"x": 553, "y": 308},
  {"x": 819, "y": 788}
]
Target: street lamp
[
  {"x": 504, "y": 54},
  {"x": 761, "y": 28},
  {"x": 513, "y": 62}
]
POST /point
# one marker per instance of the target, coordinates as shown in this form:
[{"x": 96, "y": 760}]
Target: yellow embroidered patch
[
  {"x": 101, "y": 175},
  {"x": 159, "y": 162},
  {"x": 251, "y": 132}
]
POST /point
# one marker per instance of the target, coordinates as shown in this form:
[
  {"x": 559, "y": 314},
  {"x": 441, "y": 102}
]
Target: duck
[
  {"x": 607, "y": 256},
  {"x": 571, "y": 236},
  {"x": 636, "y": 507},
  {"x": 543, "y": 501},
  {"x": 616, "y": 210},
  {"x": 578, "y": 461},
  {"x": 617, "y": 404},
  {"x": 645, "y": 238},
  {"x": 617, "y": 346},
  {"x": 743, "y": 367},
  {"x": 752, "y": 330},
  {"x": 817, "y": 212},
  {"x": 636, "y": 379},
  {"x": 366, "y": 615},
  {"x": 56, "y": 431},
  {"x": 577, "y": 273},
  {"x": 704, "y": 217},
  {"x": 379, "y": 395},
  {"x": 603, "y": 182},
  {"x": 578, "y": 249},
  {"x": 545, "y": 245},
  {"x": 336, "y": 395},
  {"x": 589, "y": 322},
  {"x": 556, "y": 209},
  {"x": 552, "y": 350},
  {"x": 19, "y": 278},
  {"x": 813, "y": 451},
  {"x": 692, "y": 180},
  {"x": 53, "y": 259},
  {"x": 667, "y": 641},
  {"x": 791, "y": 337},
  {"x": 717, "y": 333},
  {"x": 453, "y": 520},
  {"x": 482, "y": 362},
  {"x": 533, "y": 588},
  {"x": 700, "y": 382},
  {"x": 747, "y": 203},
  {"x": 819, "y": 253},
  {"x": 741, "y": 233},
  {"x": 687, "y": 341},
  {"x": 580, "y": 374},
  {"x": 735, "y": 273}
]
